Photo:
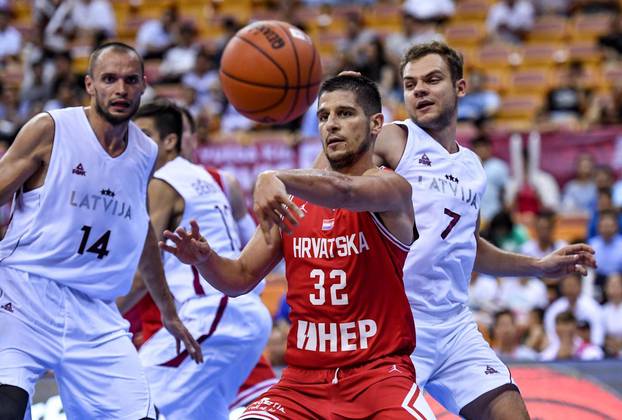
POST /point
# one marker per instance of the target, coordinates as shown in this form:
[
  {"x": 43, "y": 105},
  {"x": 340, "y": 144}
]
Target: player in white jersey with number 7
[
  {"x": 453, "y": 361},
  {"x": 78, "y": 232}
]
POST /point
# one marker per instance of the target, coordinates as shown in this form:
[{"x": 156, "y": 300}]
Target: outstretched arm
[
  {"x": 497, "y": 262},
  {"x": 376, "y": 191},
  {"x": 232, "y": 277}
]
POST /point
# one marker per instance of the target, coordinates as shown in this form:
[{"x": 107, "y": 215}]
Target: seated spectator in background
[
  {"x": 580, "y": 193},
  {"x": 357, "y": 37},
  {"x": 569, "y": 344},
  {"x": 544, "y": 242},
  {"x": 535, "y": 336},
  {"x": 530, "y": 189},
  {"x": 229, "y": 27},
  {"x": 504, "y": 233},
  {"x": 12, "y": 113},
  {"x": 506, "y": 339},
  {"x": 595, "y": 6},
  {"x": 611, "y": 41},
  {"x": 584, "y": 308},
  {"x": 616, "y": 194},
  {"x": 497, "y": 175},
  {"x": 604, "y": 202},
  {"x": 94, "y": 18},
  {"x": 180, "y": 59},
  {"x": 65, "y": 93},
  {"x": 414, "y": 31},
  {"x": 552, "y": 7},
  {"x": 10, "y": 38},
  {"x": 510, "y": 20},
  {"x": 608, "y": 246},
  {"x": 34, "y": 91},
  {"x": 612, "y": 314},
  {"x": 431, "y": 11},
  {"x": 155, "y": 36},
  {"x": 202, "y": 77},
  {"x": 479, "y": 103},
  {"x": 521, "y": 295},
  {"x": 566, "y": 103}
]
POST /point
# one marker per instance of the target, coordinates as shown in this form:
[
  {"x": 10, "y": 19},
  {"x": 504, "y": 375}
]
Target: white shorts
[
  {"x": 233, "y": 333},
  {"x": 454, "y": 363},
  {"x": 47, "y": 326}
]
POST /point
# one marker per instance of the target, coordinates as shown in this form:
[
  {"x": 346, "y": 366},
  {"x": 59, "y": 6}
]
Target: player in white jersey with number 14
[
  {"x": 232, "y": 331},
  {"x": 79, "y": 230},
  {"x": 453, "y": 361}
]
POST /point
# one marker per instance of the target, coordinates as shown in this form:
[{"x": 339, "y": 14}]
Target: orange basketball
[{"x": 270, "y": 71}]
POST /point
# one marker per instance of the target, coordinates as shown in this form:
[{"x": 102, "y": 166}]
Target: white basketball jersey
[
  {"x": 205, "y": 202},
  {"x": 85, "y": 227},
  {"x": 447, "y": 191}
]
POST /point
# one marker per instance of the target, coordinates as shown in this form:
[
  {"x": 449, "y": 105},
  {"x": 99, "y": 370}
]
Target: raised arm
[
  {"x": 232, "y": 277},
  {"x": 25, "y": 163},
  {"x": 376, "y": 190},
  {"x": 497, "y": 262}
]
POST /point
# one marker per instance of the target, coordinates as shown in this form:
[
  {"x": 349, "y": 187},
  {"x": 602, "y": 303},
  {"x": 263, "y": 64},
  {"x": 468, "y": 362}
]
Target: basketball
[{"x": 270, "y": 72}]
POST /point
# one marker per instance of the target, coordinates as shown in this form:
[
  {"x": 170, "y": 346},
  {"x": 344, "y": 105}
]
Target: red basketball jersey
[{"x": 345, "y": 290}]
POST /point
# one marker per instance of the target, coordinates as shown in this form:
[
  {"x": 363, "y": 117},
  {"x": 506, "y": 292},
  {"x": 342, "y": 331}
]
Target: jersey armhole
[
  {"x": 405, "y": 129},
  {"x": 386, "y": 233}
]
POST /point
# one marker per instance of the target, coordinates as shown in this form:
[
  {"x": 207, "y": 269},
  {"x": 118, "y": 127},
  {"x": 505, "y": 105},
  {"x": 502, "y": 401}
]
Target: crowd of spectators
[{"x": 42, "y": 64}]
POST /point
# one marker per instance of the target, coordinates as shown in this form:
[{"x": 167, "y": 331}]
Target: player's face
[
  {"x": 116, "y": 86},
  {"x": 430, "y": 96},
  {"x": 347, "y": 133}
]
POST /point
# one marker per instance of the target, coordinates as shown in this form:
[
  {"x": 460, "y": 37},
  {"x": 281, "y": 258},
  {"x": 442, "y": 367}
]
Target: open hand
[
  {"x": 190, "y": 247},
  {"x": 569, "y": 259},
  {"x": 177, "y": 329}
]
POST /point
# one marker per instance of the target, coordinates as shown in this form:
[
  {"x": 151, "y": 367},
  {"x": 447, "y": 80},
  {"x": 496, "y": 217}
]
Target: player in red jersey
[{"x": 344, "y": 236}]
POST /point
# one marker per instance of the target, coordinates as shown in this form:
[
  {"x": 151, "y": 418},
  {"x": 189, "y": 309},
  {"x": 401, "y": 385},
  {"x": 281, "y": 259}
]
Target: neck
[
  {"x": 445, "y": 136},
  {"x": 113, "y": 138},
  {"x": 161, "y": 161}
]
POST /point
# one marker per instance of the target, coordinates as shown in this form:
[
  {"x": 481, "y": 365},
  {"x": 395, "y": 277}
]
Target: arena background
[{"x": 545, "y": 97}]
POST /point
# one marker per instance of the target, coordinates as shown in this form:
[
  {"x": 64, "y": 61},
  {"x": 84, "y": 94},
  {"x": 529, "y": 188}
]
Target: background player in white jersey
[
  {"x": 78, "y": 232},
  {"x": 232, "y": 331},
  {"x": 453, "y": 361}
]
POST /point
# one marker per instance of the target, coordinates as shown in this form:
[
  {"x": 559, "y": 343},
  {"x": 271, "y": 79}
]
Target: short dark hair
[
  {"x": 167, "y": 118},
  {"x": 501, "y": 313},
  {"x": 565, "y": 317},
  {"x": 546, "y": 214},
  {"x": 117, "y": 46},
  {"x": 365, "y": 90},
  {"x": 453, "y": 58},
  {"x": 609, "y": 213}
]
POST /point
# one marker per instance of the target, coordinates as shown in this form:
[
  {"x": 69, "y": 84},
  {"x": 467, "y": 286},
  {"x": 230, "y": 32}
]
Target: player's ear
[
  {"x": 375, "y": 123},
  {"x": 88, "y": 84},
  {"x": 461, "y": 86},
  {"x": 170, "y": 142}
]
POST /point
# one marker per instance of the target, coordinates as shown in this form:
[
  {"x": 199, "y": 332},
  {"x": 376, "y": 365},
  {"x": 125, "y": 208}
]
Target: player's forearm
[
  {"x": 497, "y": 262},
  {"x": 229, "y": 276},
  {"x": 324, "y": 188},
  {"x": 136, "y": 293},
  {"x": 152, "y": 273}
]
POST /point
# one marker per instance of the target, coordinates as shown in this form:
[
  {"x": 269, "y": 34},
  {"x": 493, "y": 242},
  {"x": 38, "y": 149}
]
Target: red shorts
[{"x": 383, "y": 389}]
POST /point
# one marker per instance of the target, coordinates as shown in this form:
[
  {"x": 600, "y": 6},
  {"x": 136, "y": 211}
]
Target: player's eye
[
  {"x": 131, "y": 80},
  {"x": 108, "y": 78},
  {"x": 322, "y": 117}
]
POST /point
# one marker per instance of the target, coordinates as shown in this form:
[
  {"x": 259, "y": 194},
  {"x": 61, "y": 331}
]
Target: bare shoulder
[
  {"x": 161, "y": 190},
  {"x": 390, "y": 145},
  {"x": 36, "y": 136}
]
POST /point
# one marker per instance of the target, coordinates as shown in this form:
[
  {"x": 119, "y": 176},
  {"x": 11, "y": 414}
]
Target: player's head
[
  {"x": 115, "y": 81},
  {"x": 350, "y": 117},
  {"x": 432, "y": 78},
  {"x": 162, "y": 121}
]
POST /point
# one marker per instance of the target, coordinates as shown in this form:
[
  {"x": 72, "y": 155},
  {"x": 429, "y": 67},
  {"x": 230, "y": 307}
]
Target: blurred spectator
[
  {"x": 59, "y": 28},
  {"x": 608, "y": 246},
  {"x": 616, "y": 194},
  {"x": 530, "y": 189},
  {"x": 34, "y": 91},
  {"x": 506, "y": 339},
  {"x": 612, "y": 39},
  {"x": 553, "y": 7},
  {"x": 497, "y": 176},
  {"x": 510, "y": 20},
  {"x": 372, "y": 61},
  {"x": 504, "y": 233},
  {"x": 566, "y": 103},
  {"x": 10, "y": 38},
  {"x": 229, "y": 27},
  {"x": 523, "y": 294},
  {"x": 12, "y": 113},
  {"x": 352, "y": 45},
  {"x": 604, "y": 202},
  {"x": 434, "y": 11},
  {"x": 569, "y": 344},
  {"x": 595, "y": 6},
  {"x": 612, "y": 310},
  {"x": 65, "y": 93},
  {"x": 155, "y": 36},
  {"x": 535, "y": 335},
  {"x": 584, "y": 308},
  {"x": 414, "y": 31},
  {"x": 544, "y": 242},
  {"x": 93, "y": 17},
  {"x": 479, "y": 103},
  {"x": 580, "y": 193},
  {"x": 181, "y": 58},
  {"x": 202, "y": 77},
  {"x": 484, "y": 294}
]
